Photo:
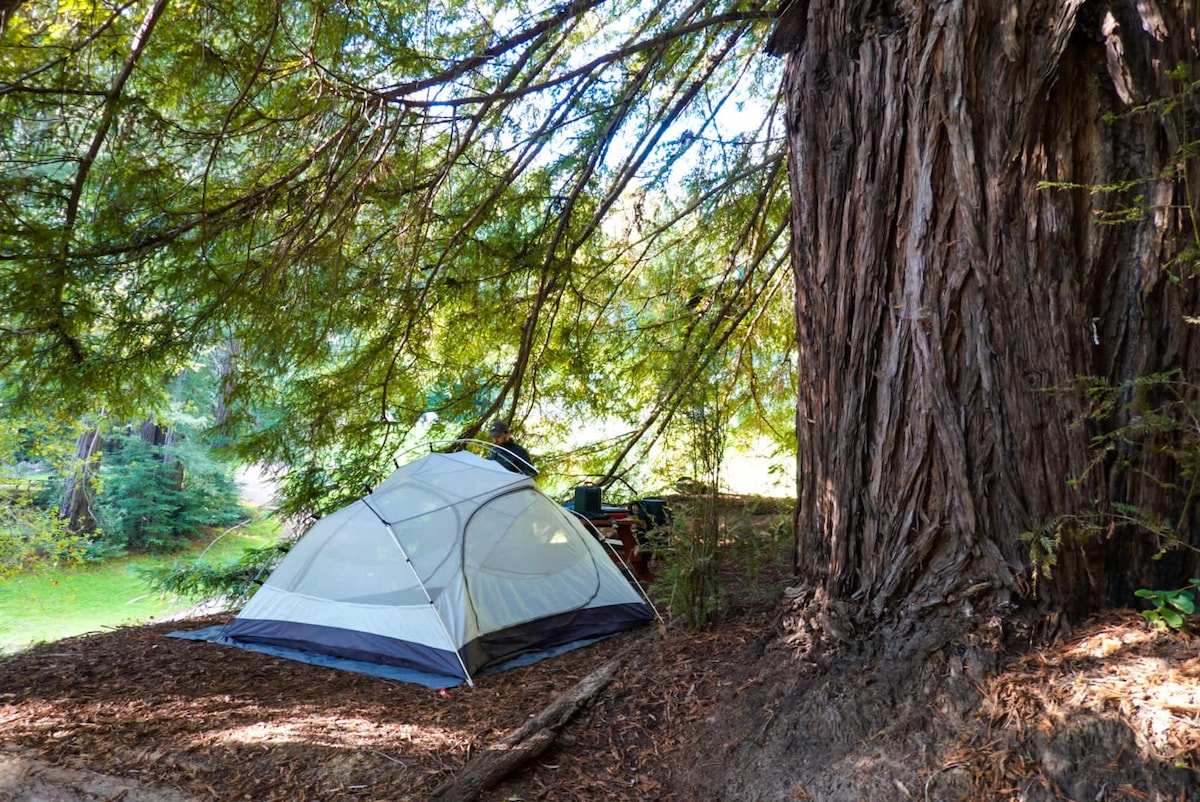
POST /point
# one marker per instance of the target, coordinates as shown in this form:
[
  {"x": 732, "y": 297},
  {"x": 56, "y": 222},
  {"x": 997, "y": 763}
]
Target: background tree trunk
[
  {"x": 227, "y": 365},
  {"x": 155, "y": 434},
  {"x": 940, "y": 292},
  {"x": 76, "y": 507}
]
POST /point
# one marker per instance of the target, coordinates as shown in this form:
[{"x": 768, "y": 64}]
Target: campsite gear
[
  {"x": 632, "y": 533},
  {"x": 453, "y": 565},
  {"x": 588, "y": 501},
  {"x": 653, "y": 511},
  {"x": 616, "y": 533}
]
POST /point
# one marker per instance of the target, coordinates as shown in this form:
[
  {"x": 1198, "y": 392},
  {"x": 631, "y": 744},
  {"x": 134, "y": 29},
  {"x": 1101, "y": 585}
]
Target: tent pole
[
  {"x": 420, "y": 584},
  {"x": 629, "y": 571}
]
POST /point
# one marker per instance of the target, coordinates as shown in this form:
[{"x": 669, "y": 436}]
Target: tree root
[{"x": 503, "y": 758}]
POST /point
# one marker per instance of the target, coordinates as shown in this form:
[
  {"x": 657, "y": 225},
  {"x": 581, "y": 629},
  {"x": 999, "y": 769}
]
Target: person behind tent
[{"x": 508, "y": 452}]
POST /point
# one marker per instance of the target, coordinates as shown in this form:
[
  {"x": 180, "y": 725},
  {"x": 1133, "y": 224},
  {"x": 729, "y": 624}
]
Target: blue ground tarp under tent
[{"x": 216, "y": 634}]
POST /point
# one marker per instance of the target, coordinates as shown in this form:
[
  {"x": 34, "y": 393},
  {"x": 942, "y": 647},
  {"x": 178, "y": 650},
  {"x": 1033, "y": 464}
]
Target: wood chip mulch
[{"x": 218, "y": 723}]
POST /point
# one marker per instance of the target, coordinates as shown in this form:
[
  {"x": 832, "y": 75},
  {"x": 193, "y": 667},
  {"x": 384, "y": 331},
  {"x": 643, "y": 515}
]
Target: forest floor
[{"x": 137, "y": 716}]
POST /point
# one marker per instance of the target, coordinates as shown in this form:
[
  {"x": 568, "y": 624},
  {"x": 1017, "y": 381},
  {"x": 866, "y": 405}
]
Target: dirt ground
[{"x": 740, "y": 710}]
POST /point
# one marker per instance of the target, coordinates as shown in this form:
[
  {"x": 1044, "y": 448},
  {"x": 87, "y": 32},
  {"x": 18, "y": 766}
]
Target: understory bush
[
  {"x": 234, "y": 579},
  {"x": 160, "y": 497},
  {"x": 692, "y": 556},
  {"x": 32, "y": 534},
  {"x": 31, "y": 530}
]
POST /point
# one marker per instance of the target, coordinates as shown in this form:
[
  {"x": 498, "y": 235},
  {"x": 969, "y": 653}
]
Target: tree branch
[
  {"x": 616, "y": 55},
  {"x": 574, "y": 9}
]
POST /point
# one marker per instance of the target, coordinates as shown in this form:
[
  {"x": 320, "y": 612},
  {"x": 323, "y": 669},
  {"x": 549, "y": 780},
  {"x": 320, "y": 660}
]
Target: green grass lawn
[{"x": 51, "y": 603}]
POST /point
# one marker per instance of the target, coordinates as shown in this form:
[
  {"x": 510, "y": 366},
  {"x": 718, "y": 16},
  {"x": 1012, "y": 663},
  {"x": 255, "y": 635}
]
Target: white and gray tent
[{"x": 452, "y": 566}]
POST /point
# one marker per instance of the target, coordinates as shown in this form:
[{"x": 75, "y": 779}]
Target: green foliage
[
  {"x": 233, "y": 579},
  {"x": 753, "y": 548},
  {"x": 230, "y": 568},
  {"x": 755, "y": 553},
  {"x": 690, "y": 561},
  {"x": 31, "y": 530},
  {"x": 694, "y": 554},
  {"x": 391, "y": 211},
  {"x": 30, "y": 534},
  {"x": 1171, "y": 607},
  {"x": 159, "y": 497},
  {"x": 1045, "y": 542}
]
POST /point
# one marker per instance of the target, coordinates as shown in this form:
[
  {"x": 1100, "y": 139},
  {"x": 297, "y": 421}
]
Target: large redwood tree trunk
[{"x": 940, "y": 291}]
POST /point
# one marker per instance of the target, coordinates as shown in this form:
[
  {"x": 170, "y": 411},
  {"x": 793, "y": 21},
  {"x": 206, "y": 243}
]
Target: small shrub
[
  {"x": 159, "y": 498},
  {"x": 31, "y": 534},
  {"x": 762, "y": 551},
  {"x": 1171, "y": 607},
  {"x": 234, "y": 579},
  {"x": 691, "y": 558}
]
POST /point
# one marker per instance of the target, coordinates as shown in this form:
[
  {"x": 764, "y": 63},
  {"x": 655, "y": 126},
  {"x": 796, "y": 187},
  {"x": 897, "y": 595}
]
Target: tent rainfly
[{"x": 452, "y": 566}]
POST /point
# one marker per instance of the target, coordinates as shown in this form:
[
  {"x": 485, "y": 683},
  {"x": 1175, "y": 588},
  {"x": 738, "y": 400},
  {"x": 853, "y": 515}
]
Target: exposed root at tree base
[{"x": 1112, "y": 712}]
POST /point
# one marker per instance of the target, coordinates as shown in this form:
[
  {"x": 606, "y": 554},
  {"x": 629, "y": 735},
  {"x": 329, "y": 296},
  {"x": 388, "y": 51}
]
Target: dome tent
[{"x": 452, "y": 566}]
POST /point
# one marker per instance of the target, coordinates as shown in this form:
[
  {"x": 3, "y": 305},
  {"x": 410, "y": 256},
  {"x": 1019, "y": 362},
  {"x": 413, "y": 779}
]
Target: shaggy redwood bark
[{"x": 940, "y": 291}]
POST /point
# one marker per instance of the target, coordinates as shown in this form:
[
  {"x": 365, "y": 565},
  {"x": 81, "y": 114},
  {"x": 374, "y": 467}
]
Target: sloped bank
[{"x": 1111, "y": 712}]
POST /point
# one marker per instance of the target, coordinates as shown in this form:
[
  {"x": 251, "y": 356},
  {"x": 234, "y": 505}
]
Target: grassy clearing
[{"x": 52, "y": 603}]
